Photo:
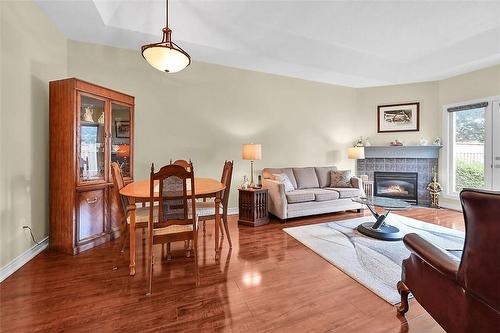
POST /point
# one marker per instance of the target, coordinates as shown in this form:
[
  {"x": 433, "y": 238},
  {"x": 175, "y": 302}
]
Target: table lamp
[
  {"x": 252, "y": 152},
  {"x": 356, "y": 153}
]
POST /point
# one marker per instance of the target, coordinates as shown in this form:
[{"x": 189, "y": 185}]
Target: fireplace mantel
[{"x": 430, "y": 151}]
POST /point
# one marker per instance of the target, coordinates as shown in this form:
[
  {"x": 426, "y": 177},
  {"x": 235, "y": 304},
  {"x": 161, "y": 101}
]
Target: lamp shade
[
  {"x": 166, "y": 56},
  {"x": 356, "y": 153},
  {"x": 252, "y": 152}
]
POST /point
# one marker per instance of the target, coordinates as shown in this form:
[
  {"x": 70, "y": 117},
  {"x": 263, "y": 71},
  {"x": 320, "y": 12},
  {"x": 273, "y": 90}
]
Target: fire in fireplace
[{"x": 399, "y": 185}]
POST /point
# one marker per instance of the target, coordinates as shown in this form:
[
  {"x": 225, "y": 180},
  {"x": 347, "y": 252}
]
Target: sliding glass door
[{"x": 472, "y": 146}]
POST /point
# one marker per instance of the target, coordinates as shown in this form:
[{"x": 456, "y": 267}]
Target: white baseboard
[
  {"x": 232, "y": 211},
  {"x": 450, "y": 205},
  {"x": 21, "y": 260}
]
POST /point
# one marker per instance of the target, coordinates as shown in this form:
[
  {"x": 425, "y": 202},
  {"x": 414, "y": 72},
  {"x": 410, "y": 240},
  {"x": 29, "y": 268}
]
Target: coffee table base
[{"x": 384, "y": 232}]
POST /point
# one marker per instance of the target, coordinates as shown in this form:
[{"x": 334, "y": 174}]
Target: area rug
[{"x": 374, "y": 263}]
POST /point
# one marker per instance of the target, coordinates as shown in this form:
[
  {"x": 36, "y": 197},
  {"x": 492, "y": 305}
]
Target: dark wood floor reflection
[{"x": 268, "y": 282}]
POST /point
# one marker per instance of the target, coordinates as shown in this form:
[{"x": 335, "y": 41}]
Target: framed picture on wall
[
  {"x": 122, "y": 129},
  {"x": 403, "y": 117}
]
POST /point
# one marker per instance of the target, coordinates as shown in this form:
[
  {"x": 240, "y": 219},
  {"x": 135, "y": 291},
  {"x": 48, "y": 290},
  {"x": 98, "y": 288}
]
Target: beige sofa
[{"x": 312, "y": 193}]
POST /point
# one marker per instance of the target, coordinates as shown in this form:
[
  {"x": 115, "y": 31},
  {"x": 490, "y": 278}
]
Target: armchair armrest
[
  {"x": 357, "y": 182},
  {"x": 434, "y": 256},
  {"x": 277, "y": 199}
]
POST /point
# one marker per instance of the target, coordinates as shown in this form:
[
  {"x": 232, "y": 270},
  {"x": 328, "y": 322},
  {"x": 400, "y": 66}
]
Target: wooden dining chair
[
  {"x": 141, "y": 213},
  {"x": 176, "y": 211},
  {"x": 183, "y": 163},
  {"x": 206, "y": 210}
]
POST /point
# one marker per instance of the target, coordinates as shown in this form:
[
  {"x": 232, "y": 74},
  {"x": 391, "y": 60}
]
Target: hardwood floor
[{"x": 267, "y": 282}]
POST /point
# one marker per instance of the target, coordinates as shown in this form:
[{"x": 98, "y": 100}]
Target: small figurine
[
  {"x": 89, "y": 114},
  {"x": 101, "y": 119},
  {"x": 359, "y": 143},
  {"x": 245, "y": 183},
  {"x": 434, "y": 189},
  {"x": 367, "y": 143},
  {"x": 423, "y": 142},
  {"x": 396, "y": 142},
  {"x": 437, "y": 142}
]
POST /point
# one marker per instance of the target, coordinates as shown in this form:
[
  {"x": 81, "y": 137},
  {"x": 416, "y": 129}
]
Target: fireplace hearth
[{"x": 398, "y": 185}]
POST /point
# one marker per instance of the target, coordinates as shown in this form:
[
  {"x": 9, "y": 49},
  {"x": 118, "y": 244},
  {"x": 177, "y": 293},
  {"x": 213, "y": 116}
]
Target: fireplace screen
[{"x": 398, "y": 185}]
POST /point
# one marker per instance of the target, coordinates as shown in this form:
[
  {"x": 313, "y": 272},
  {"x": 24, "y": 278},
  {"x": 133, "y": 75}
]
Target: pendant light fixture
[{"x": 166, "y": 56}]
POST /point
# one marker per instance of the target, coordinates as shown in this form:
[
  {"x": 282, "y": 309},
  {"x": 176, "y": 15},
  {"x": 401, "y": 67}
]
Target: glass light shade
[
  {"x": 166, "y": 59},
  {"x": 356, "y": 153},
  {"x": 252, "y": 152},
  {"x": 166, "y": 56}
]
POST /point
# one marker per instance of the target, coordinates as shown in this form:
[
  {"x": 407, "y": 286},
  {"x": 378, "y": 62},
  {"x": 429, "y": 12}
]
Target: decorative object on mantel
[
  {"x": 423, "y": 142},
  {"x": 437, "y": 142},
  {"x": 252, "y": 152},
  {"x": 166, "y": 55},
  {"x": 359, "y": 143},
  {"x": 367, "y": 143},
  {"x": 404, "y": 117},
  {"x": 434, "y": 189},
  {"x": 396, "y": 142}
]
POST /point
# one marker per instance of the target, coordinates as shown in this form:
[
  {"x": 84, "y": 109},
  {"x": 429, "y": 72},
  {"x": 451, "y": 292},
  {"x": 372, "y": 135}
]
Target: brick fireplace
[{"x": 415, "y": 162}]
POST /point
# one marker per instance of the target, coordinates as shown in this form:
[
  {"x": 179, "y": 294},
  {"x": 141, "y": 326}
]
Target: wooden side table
[{"x": 253, "y": 207}]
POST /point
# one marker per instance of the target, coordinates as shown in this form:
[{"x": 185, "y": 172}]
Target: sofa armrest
[
  {"x": 277, "y": 199},
  {"x": 357, "y": 182},
  {"x": 434, "y": 256}
]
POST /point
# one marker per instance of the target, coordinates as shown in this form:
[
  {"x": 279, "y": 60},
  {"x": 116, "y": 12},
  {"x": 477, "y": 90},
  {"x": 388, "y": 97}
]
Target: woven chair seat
[
  {"x": 172, "y": 229},
  {"x": 142, "y": 215},
  {"x": 207, "y": 208}
]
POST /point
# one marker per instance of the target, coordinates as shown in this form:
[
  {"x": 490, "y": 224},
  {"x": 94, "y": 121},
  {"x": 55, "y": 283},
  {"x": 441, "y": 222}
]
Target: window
[
  {"x": 468, "y": 145},
  {"x": 471, "y": 144}
]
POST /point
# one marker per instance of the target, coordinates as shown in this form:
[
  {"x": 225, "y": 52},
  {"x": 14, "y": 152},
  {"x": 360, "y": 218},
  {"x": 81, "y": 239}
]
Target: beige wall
[
  {"x": 206, "y": 112},
  {"x": 33, "y": 52},
  {"x": 369, "y": 98},
  {"x": 479, "y": 84}
]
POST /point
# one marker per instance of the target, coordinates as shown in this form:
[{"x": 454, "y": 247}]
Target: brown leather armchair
[{"x": 461, "y": 295}]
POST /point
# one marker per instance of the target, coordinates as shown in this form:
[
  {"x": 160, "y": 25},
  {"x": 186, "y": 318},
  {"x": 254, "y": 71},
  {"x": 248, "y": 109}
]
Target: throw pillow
[
  {"x": 340, "y": 178},
  {"x": 283, "y": 179}
]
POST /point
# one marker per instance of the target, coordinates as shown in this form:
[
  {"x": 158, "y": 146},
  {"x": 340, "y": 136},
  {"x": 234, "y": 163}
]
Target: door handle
[{"x": 92, "y": 201}]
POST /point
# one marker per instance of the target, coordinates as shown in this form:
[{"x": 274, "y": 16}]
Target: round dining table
[{"x": 139, "y": 191}]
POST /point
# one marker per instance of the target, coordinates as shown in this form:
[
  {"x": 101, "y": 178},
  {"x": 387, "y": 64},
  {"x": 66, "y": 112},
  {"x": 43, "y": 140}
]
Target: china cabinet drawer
[{"x": 91, "y": 214}]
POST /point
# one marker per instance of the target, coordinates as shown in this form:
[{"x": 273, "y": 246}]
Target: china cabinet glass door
[
  {"x": 120, "y": 137},
  {"x": 91, "y": 145}
]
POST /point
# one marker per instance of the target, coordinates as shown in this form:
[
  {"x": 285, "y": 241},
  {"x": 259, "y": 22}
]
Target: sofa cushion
[
  {"x": 283, "y": 179},
  {"x": 324, "y": 195},
  {"x": 300, "y": 196},
  {"x": 340, "y": 178},
  {"x": 306, "y": 178},
  {"x": 346, "y": 192},
  {"x": 323, "y": 174},
  {"x": 267, "y": 173}
]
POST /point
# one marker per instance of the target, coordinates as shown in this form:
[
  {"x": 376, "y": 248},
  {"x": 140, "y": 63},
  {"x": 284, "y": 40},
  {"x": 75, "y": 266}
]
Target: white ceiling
[{"x": 352, "y": 43}]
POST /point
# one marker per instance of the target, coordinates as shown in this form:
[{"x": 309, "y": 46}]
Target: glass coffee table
[{"x": 379, "y": 229}]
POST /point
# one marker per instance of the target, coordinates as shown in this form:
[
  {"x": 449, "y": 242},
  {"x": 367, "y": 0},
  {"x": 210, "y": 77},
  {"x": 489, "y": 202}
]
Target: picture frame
[
  {"x": 402, "y": 117},
  {"x": 122, "y": 129}
]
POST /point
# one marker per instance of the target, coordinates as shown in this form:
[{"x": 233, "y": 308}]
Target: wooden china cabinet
[{"x": 90, "y": 127}]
